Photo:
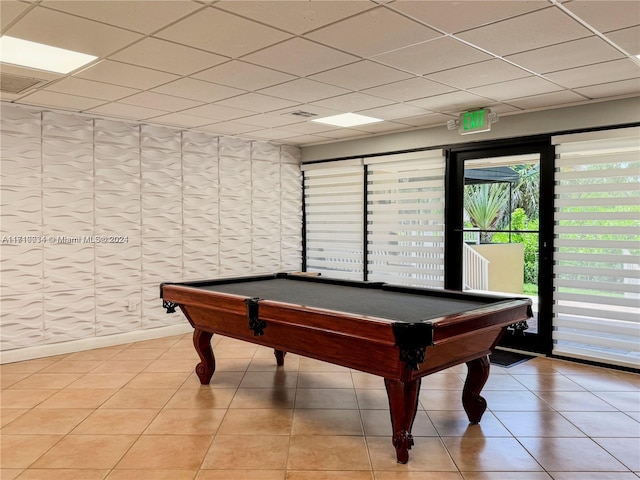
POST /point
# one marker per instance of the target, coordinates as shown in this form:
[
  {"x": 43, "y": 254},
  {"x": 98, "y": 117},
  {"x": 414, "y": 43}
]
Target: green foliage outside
[{"x": 519, "y": 221}]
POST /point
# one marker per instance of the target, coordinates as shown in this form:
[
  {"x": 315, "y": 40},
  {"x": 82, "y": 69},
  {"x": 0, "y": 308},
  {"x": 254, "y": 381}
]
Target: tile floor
[{"x": 138, "y": 412}]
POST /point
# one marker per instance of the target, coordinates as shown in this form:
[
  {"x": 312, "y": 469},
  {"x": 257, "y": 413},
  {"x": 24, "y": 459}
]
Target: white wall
[{"x": 184, "y": 205}]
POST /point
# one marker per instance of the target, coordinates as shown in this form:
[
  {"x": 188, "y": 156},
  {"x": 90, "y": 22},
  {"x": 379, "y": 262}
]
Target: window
[{"x": 597, "y": 247}]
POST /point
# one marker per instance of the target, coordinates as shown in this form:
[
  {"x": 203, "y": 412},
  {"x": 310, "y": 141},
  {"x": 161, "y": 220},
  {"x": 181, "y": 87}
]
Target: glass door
[{"x": 499, "y": 233}]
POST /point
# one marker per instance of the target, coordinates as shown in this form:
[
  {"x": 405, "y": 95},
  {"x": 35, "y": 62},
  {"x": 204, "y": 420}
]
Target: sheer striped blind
[
  {"x": 597, "y": 247},
  {"x": 405, "y": 218},
  {"x": 334, "y": 196}
]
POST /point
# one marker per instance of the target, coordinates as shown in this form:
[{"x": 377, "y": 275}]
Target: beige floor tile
[
  {"x": 219, "y": 380},
  {"x": 257, "y": 422},
  {"x": 604, "y": 424},
  {"x": 547, "y": 382},
  {"x": 139, "y": 398},
  {"x": 8, "y": 415},
  {"x": 116, "y": 421},
  {"x": 78, "y": 398},
  {"x": 519, "y": 400},
  {"x": 441, "y": 400},
  {"x": 603, "y": 383},
  {"x": 308, "y": 475},
  {"x": 177, "y": 365},
  {"x": 10, "y": 473},
  {"x": 201, "y": 397},
  {"x": 122, "y": 366},
  {"x": 241, "y": 475},
  {"x": 158, "y": 380},
  {"x": 427, "y": 455},
  {"x": 366, "y": 380},
  {"x": 326, "y": 422},
  {"x": 442, "y": 381},
  {"x": 20, "y": 451},
  {"x": 230, "y": 365},
  {"x": 8, "y": 379},
  {"x": 571, "y": 455},
  {"x": 313, "y": 379},
  {"x": 47, "y": 381},
  {"x": 24, "y": 398},
  {"x": 138, "y": 354},
  {"x": 626, "y": 450},
  {"x": 625, "y": 401},
  {"x": 502, "y": 382},
  {"x": 378, "y": 423},
  {"x": 342, "y": 398},
  {"x": 489, "y": 454},
  {"x": 103, "y": 380},
  {"x": 449, "y": 423},
  {"x": 327, "y": 453},
  {"x": 538, "y": 424},
  {"x": 593, "y": 476},
  {"x": 73, "y": 366},
  {"x": 313, "y": 365},
  {"x": 268, "y": 363},
  {"x": 151, "y": 475},
  {"x": 234, "y": 453},
  {"x": 174, "y": 421},
  {"x": 29, "y": 366},
  {"x": 575, "y": 401},
  {"x": 382, "y": 475},
  {"x": 506, "y": 476},
  {"x": 62, "y": 474},
  {"x": 166, "y": 452},
  {"x": 264, "y": 398},
  {"x": 162, "y": 343},
  {"x": 370, "y": 399},
  {"x": 277, "y": 379},
  {"x": 96, "y": 354},
  {"x": 47, "y": 421},
  {"x": 86, "y": 452}
]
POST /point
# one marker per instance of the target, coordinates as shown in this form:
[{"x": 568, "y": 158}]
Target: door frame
[{"x": 540, "y": 342}]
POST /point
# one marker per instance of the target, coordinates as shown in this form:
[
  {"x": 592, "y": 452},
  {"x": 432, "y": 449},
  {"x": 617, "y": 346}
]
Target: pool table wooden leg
[
  {"x": 478, "y": 373},
  {"x": 403, "y": 405},
  {"x": 205, "y": 369},
  {"x": 279, "y": 357}
]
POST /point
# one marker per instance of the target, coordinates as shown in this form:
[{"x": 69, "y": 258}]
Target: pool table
[{"x": 399, "y": 333}]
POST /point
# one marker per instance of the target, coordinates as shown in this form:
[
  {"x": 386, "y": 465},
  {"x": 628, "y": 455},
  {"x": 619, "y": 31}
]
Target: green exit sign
[{"x": 474, "y": 121}]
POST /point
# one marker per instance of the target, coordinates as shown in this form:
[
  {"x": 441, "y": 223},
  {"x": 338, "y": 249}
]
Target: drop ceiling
[{"x": 258, "y": 69}]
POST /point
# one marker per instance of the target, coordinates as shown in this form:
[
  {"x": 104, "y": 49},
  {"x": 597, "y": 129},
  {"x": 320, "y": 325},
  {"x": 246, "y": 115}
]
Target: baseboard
[{"x": 40, "y": 351}]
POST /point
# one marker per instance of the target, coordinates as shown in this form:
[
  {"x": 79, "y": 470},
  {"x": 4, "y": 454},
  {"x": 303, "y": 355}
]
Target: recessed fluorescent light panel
[
  {"x": 40, "y": 56},
  {"x": 347, "y": 120}
]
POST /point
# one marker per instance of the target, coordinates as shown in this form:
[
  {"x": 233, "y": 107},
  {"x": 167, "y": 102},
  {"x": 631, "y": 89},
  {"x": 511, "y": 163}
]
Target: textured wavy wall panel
[
  {"x": 69, "y": 267},
  {"x": 22, "y": 320},
  {"x": 235, "y": 256},
  {"x": 117, "y": 133},
  {"x": 118, "y": 309},
  {"x": 21, "y": 209},
  {"x": 201, "y": 258},
  {"x": 21, "y": 160},
  {"x": 188, "y": 205},
  {"x": 69, "y": 315},
  {"x": 265, "y": 254},
  {"x": 21, "y": 266},
  {"x": 116, "y": 262},
  {"x": 118, "y": 214},
  {"x": 234, "y": 147},
  {"x": 200, "y": 216},
  {"x": 117, "y": 168}
]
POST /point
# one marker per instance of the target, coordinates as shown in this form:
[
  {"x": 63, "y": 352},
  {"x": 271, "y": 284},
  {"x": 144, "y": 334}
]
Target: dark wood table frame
[{"x": 402, "y": 353}]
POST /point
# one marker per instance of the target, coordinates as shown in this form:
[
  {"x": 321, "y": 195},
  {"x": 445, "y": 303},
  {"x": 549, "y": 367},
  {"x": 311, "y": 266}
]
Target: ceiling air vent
[
  {"x": 303, "y": 114},
  {"x": 17, "y": 84}
]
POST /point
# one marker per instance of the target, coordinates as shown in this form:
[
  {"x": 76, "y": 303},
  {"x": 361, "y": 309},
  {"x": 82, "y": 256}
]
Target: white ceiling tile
[
  {"x": 122, "y": 110},
  {"x": 616, "y": 70},
  {"x": 60, "y": 100},
  {"x": 478, "y": 74},
  {"x": 257, "y": 102},
  {"x": 606, "y": 15},
  {"x": 304, "y": 90},
  {"x": 627, "y": 39},
  {"x": 197, "y": 90},
  {"x": 532, "y": 30},
  {"x": 451, "y": 102},
  {"x": 181, "y": 120},
  {"x": 222, "y": 33},
  {"x": 126, "y": 75},
  {"x": 265, "y": 120},
  {"x": 243, "y": 75},
  {"x": 381, "y": 127},
  {"x": 433, "y": 56},
  {"x": 141, "y": 16},
  {"x": 318, "y": 110},
  {"x": 361, "y": 75},
  {"x": 453, "y": 17},
  {"x": 270, "y": 134},
  {"x": 576, "y": 53},
  {"x": 217, "y": 112},
  {"x": 297, "y": 17},
  {"x": 373, "y": 32},
  {"x": 73, "y": 33},
  {"x": 309, "y": 127},
  {"x": 394, "y": 112},
  {"x": 159, "y": 101},
  {"x": 547, "y": 100},
  {"x": 300, "y": 57},
  {"x": 168, "y": 57},
  {"x": 613, "y": 89},
  {"x": 89, "y": 88},
  {"x": 352, "y": 102},
  {"x": 304, "y": 140},
  {"x": 427, "y": 120},
  {"x": 411, "y": 89},
  {"x": 517, "y": 88},
  {"x": 9, "y": 11}
]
